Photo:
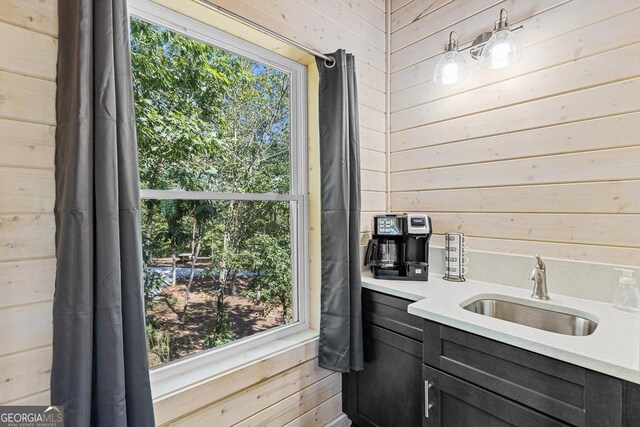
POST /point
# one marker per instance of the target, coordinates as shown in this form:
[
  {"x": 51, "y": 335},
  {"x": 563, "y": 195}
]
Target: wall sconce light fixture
[{"x": 494, "y": 49}]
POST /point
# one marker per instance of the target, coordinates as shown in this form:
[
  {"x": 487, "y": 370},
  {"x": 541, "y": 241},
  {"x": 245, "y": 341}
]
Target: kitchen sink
[{"x": 535, "y": 317}]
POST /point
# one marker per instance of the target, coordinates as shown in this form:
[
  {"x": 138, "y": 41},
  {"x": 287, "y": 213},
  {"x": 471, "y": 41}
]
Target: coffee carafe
[{"x": 399, "y": 247}]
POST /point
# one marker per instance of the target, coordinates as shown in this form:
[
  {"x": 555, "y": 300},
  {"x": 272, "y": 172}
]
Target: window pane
[
  {"x": 207, "y": 119},
  {"x": 215, "y": 272}
]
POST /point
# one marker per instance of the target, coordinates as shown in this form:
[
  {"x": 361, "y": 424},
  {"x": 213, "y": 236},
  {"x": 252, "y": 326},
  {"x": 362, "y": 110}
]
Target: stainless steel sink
[{"x": 535, "y": 317}]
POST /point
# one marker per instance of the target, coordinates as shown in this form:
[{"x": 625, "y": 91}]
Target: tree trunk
[
  {"x": 234, "y": 283},
  {"x": 148, "y": 229},
  {"x": 196, "y": 243},
  {"x": 174, "y": 262}
]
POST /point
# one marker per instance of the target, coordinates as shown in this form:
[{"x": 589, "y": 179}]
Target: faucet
[{"x": 539, "y": 277}]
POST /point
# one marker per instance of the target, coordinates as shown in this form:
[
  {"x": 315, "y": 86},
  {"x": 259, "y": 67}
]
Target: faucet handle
[{"x": 540, "y": 263}]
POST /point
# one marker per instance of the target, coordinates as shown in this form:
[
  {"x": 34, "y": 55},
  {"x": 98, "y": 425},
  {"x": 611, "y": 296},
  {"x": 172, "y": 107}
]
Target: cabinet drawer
[
  {"x": 567, "y": 392},
  {"x": 458, "y": 403},
  {"x": 390, "y": 313}
]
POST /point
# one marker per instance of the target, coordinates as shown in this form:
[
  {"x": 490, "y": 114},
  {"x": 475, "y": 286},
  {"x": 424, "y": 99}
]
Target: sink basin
[{"x": 535, "y": 317}]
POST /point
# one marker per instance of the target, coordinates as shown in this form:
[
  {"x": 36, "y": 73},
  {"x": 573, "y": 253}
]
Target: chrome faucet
[{"x": 539, "y": 277}]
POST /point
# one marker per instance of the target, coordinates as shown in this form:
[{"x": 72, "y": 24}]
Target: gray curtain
[
  {"x": 341, "y": 311},
  {"x": 100, "y": 370}
]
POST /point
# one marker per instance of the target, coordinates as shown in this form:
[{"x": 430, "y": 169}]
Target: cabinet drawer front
[
  {"x": 567, "y": 392},
  {"x": 390, "y": 313},
  {"x": 458, "y": 403}
]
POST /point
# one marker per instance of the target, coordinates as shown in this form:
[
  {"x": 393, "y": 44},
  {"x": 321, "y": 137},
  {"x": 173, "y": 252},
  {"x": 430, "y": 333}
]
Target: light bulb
[
  {"x": 450, "y": 69},
  {"x": 501, "y": 50}
]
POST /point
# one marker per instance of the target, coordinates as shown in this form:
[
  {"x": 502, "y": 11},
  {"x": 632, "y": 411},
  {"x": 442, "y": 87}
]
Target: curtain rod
[{"x": 328, "y": 61}]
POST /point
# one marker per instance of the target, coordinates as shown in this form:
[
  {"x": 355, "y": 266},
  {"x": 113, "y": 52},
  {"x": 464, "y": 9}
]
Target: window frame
[{"x": 297, "y": 196}]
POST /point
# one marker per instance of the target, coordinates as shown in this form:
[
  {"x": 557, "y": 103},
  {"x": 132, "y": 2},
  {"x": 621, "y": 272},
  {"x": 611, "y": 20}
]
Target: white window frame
[{"x": 172, "y": 20}]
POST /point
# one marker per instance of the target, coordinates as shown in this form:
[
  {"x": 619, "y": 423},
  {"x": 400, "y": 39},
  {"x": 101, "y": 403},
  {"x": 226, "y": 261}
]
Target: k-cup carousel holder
[{"x": 455, "y": 260}]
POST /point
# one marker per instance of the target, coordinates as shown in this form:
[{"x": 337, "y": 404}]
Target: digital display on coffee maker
[{"x": 391, "y": 226}]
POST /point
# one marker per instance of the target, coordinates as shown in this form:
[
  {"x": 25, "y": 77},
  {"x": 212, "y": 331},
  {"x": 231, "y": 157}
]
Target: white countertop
[{"x": 613, "y": 349}]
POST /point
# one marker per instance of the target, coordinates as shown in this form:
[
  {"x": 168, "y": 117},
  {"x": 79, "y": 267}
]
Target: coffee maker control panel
[{"x": 388, "y": 226}]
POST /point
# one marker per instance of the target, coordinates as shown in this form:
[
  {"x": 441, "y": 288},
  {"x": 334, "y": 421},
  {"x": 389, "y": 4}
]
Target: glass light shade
[
  {"x": 501, "y": 50},
  {"x": 450, "y": 69}
]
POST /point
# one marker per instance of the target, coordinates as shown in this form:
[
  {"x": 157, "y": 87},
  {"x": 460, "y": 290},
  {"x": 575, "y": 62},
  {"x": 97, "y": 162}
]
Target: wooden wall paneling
[
  {"x": 321, "y": 415},
  {"x": 349, "y": 20},
  {"x": 605, "y": 165},
  {"x": 372, "y": 139},
  {"x": 297, "y": 404},
  {"x": 40, "y": 16},
  {"x": 297, "y": 21},
  {"x": 369, "y": 11},
  {"x": 590, "y": 229},
  {"x": 367, "y": 74},
  {"x": 372, "y": 180},
  {"x": 371, "y": 119},
  {"x": 27, "y": 99},
  {"x": 256, "y": 398},
  {"x": 26, "y": 282},
  {"x": 596, "y": 134},
  {"x": 174, "y": 405},
  {"x": 599, "y": 197},
  {"x": 372, "y": 200},
  {"x": 25, "y": 327},
  {"x": 380, "y": 4},
  {"x": 373, "y": 97},
  {"x": 372, "y": 160},
  {"x": 575, "y": 252},
  {"x": 397, "y": 4},
  {"x": 27, "y": 144},
  {"x": 407, "y": 28},
  {"x": 42, "y": 398},
  {"x": 26, "y": 190},
  {"x": 615, "y": 98},
  {"x": 26, "y": 236},
  {"x": 572, "y": 76},
  {"x": 25, "y": 374},
  {"x": 546, "y": 43},
  {"x": 28, "y": 52}
]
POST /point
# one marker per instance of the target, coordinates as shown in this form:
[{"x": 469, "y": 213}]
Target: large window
[{"x": 221, "y": 147}]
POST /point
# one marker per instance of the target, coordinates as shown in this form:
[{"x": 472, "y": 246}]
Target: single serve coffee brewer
[{"x": 399, "y": 247}]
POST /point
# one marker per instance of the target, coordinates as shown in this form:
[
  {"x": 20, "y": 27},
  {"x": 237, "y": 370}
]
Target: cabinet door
[
  {"x": 451, "y": 402},
  {"x": 388, "y": 392}
]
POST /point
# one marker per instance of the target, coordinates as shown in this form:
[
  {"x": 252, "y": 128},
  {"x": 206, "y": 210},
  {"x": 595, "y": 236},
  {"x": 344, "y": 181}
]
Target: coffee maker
[{"x": 399, "y": 247}]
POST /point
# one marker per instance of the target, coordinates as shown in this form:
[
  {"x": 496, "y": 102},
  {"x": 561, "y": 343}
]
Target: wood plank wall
[
  {"x": 287, "y": 388},
  {"x": 542, "y": 157},
  {"x": 28, "y": 49}
]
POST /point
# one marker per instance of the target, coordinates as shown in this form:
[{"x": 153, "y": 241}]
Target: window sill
[{"x": 184, "y": 374}]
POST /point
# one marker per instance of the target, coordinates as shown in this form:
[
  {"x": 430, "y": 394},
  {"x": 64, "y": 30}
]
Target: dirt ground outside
[{"x": 188, "y": 334}]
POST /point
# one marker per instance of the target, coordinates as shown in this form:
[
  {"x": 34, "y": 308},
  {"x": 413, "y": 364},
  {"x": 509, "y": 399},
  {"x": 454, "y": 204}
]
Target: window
[{"x": 222, "y": 158}]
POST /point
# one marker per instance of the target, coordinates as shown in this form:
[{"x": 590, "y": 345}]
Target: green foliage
[
  {"x": 209, "y": 120},
  {"x": 270, "y": 258},
  {"x": 153, "y": 283},
  {"x": 159, "y": 344}
]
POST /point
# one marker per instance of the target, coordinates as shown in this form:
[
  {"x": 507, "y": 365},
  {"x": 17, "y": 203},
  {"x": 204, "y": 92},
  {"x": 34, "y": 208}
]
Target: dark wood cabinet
[
  {"x": 451, "y": 401},
  {"x": 388, "y": 392},
  {"x": 422, "y": 373}
]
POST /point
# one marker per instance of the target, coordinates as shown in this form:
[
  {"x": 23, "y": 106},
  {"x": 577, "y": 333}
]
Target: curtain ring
[{"x": 329, "y": 64}]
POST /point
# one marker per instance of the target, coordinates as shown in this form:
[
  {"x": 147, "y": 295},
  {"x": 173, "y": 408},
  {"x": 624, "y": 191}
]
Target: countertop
[{"x": 613, "y": 348}]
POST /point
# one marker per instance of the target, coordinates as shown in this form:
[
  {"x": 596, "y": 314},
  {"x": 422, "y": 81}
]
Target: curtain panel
[
  {"x": 100, "y": 371},
  {"x": 341, "y": 312}
]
